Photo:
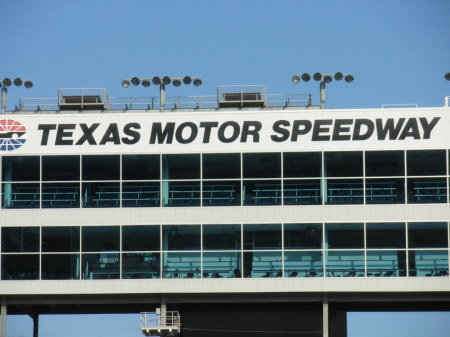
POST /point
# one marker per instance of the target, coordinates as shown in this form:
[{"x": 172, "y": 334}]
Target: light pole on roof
[{"x": 5, "y": 83}]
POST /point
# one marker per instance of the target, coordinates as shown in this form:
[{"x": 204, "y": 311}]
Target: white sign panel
[{"x": 235, "y": 131}]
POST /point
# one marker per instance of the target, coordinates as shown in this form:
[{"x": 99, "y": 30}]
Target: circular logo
[{"x": 12, "y": 135}]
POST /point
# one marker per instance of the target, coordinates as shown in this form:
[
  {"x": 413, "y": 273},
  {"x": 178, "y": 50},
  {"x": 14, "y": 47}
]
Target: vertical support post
[
  {"x": 322, "y": 95},
  {"x": 325, "y": 316},
  {"x": 162, "y": 96},
  {"x": 35, "y": 325},
  {"x": 3, "y": 313},
  {"x": 163, "y": 318},
  {"x": 4, "y": 99}
]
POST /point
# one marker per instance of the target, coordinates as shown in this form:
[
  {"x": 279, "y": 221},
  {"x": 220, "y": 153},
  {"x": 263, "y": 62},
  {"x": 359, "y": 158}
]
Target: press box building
[{"x": 243, "y": 212}]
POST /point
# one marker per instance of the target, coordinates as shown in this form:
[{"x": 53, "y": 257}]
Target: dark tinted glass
[
  {"x": 427, "y": 235},
  {"x": 63, "y": 168},
  {"x": 264, "y": 236},
  {"x": 345, "y": 236},
  {"x": 101, "y": 167},
  {"x": 426, "y": 162},
  {"x": 60, "y": 239},
  {"x": 20, "y": 267},
  {"x": 262, "y": 165},
  {"x": 343, "y": 164},
  {"x": 302, "y": 164},
  {"x": 100, "y": 238},
  {"x": 385, "y": 163},
  {"x": 181, "y": 237},
  {"x": 181, "y": 166},
  {"x": 221, "y": 166},
  {"x": 140, "y": 167},
  {"x": 386, "y": 235},
  {"x": 302, "y": 236},
  {"x": 140, "y": 238},
  {"x": 222, "y": 237},
  {"x": 60, "y": 266},
  {"x": 20, "y": 239},
  {"x": 20, "y": 168}
]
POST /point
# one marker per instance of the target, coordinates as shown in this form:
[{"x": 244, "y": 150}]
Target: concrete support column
[
  {"x": 3, "y": 313},
  {"x": 35, "y": 325},
  {"x": 325, "y": 316},
  {"x": 163, "y": 309}
]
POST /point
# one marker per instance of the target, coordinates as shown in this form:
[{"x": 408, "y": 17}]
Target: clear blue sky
[{"x": 398, "y": 51}]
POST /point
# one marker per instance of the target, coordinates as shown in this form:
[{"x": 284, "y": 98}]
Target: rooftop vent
[{"x": 82, "y": 99}]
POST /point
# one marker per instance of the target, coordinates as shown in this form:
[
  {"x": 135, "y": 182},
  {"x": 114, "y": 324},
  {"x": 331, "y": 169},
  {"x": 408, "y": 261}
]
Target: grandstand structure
[{"x": 239, "y": 214}]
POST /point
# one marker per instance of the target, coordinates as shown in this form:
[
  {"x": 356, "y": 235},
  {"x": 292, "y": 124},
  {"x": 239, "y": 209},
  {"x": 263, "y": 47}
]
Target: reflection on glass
[
  {"x": 303, "y": 264},
  {"x": 428, "y": 262},
  {"x": 140, "y": 265},
  {"x": 344, "y": 263},
  {"x": 100, "y": 266},
  {"x": 262, "y": 264},
  {"x": 389, "y": 263},
  {"x": 60, "y": 266},
  {"x": 181, "y": 265},
  {"x": 20, "y": 239},
  {"x": 223, "y": 264}
]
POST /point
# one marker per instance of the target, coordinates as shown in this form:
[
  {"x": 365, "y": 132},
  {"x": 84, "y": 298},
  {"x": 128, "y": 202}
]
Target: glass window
[
  {"x": 181, "y": 265},
  {"x": 58, "y": 195},
  {"x": 20, "y": 239},
  {"x": 262, "y": 264},
  {"x": 344, "y": 235},
  {"x": 221, "y": 166},
  {"x": 427, "y": 190},
  {"x": 181, "y": 166},
  {"x": 385, "y": 163},
  {"x": 262, "y": 165},
  {"x": 61, "y": 239},
  {"x": 223, "y": 264},
  {"x": 60, "y": 266},
  {"x": 100, "y": 266},
  {"x": 101, "y": 167},
  {"x": 20, "y": 168},
  {"x": 426, "y": 162},
  {"x": 140, "y": 167},
  {"x": 343, "y": 164},
  {"x": 222, "y": 193},
  {"x": 100, "y": 238},
  {"x": 141, "y": 194},
  {"x": 344, "y": 263},
  {"x": 181, "y": 237},
  {"x": 303, "y": 236},
  {"x": 389, "y": 263},
  {"x": 262, "y": 192},
  {"x": 222, "y": 237},
  {"x": 302, "y": 164},
  {"x": 141, "y": 238},
  {"x": 427, "y": 235},
  {"x": 20, "y": 267},
  {"x": 181, "y": 193},
  {"x": 60, "y": 168},
  {"x": 101, "y": 194},
  {"x": 344, "y": 191},
  {"x": 428, "y": 262},
  {"x": 262, "y": 236},
  {"x": 385, "y": 191},
  {"x": 386, "y": 235},
  {"x": 302, "y": 192},
  {"x": 21, "y": 195},
  {"x": 140, "y": 265},
  {"x": 303, "y": 264}
]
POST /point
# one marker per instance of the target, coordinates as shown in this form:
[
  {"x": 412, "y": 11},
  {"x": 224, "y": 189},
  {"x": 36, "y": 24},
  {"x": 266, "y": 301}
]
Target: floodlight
[
  {"x": 349, "y": 78},
  {"x": 156, "y": 80},
  {"x": 338, "y": 76},
  {"x": 145, "y": 83},
  {"x": 317, "y": 77},
  {"x": 166, "y": 80},
  {"x": 187, "y": 80},
  {"x": 135, "y": 81},
  {"x": 296, "y": 79},
  {"x": 28, "y": 84},
  {"x": 18, "y": 82},
  {"x": 125, "y": 83},
  {"x": 7, "y": 82},
  {"x": 176, "y": 83},
  {"x": 447, "y": 76},
  {"x": 197, "y": 82},
  {"x": 306, "y": 77},
  {"x": 327, "y": 78}
]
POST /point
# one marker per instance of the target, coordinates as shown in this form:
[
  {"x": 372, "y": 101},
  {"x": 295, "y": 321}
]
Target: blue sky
[{"x": 397, "y": 50}]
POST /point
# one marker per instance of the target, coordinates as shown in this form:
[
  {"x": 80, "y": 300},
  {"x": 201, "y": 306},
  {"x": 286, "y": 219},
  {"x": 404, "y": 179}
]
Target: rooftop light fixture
[
  {"x": 162, "y": 82},
  {"x": 447, "y": 76},
  {"x": 326, "y": 78},
  {"x": 5, "y": 83}
]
